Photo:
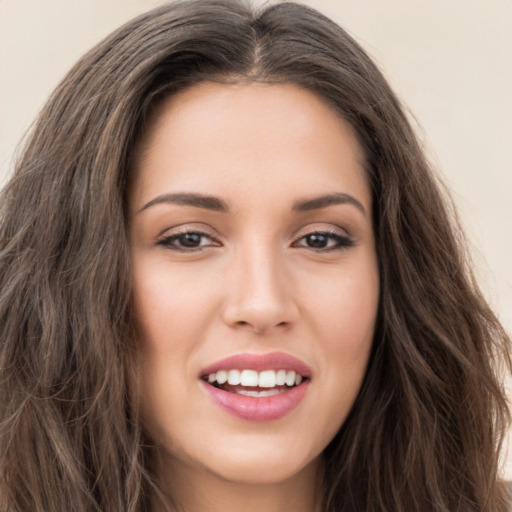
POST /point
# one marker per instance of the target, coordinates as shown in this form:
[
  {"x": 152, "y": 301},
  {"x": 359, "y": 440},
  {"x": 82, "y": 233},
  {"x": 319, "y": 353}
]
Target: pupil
[
  {"x": 190, "y": 239},
  {"x": 317, "y": 241}
]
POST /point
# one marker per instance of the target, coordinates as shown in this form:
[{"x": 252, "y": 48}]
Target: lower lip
[{"x": 265, "y": 408}]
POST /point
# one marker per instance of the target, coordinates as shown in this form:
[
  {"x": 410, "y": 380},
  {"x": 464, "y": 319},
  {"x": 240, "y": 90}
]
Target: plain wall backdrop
[{"x": 449, "y": 60}]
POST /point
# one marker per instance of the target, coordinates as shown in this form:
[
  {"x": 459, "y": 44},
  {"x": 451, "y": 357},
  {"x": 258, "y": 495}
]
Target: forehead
[{"x": 212, "y": 136}]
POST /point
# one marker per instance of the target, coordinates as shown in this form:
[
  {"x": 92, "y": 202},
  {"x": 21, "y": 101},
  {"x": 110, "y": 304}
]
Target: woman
[{"x": 230, "y": 280}]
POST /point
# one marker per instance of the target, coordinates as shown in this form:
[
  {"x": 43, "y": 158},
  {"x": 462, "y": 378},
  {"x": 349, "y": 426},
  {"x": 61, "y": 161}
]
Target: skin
[{"x": 255, "y": 284}]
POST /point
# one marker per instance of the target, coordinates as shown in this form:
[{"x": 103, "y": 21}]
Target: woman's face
[{"x": 254, "y": 259}]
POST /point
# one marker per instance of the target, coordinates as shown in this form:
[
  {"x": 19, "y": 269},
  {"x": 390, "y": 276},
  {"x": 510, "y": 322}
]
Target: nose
[{"x": 260, "y": 295}]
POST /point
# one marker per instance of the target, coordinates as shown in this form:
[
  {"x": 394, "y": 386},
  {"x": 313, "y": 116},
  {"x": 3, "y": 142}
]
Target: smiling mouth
[{"x": 254, "y": 383}]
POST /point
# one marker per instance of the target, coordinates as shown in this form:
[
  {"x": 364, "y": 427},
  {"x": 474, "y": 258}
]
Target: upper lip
[{"x": 260, "y": 362}]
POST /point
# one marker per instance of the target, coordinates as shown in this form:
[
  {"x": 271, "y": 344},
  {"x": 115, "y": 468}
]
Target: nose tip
[
  {"x": 260, "y": 300},
  {"x": 272, "y": 313}
]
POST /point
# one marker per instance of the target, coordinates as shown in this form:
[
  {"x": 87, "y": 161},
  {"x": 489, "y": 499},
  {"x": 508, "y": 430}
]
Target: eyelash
[
  {"x": 340, "y": 242},
  {"x": 169, "y": 242}
]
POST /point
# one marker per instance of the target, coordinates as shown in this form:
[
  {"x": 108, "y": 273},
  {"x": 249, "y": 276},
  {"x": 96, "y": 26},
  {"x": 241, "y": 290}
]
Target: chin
[
  {"x": 264, "y": 470},
  {"x": 250, "y": 460}
]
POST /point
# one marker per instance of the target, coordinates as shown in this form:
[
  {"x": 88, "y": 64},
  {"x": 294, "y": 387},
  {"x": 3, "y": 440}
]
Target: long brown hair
[{"x": 426, "y": 429}]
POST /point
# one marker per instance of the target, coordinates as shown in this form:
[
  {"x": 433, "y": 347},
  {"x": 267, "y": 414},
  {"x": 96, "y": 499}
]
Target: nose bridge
[{"x": 260, "y": 297}]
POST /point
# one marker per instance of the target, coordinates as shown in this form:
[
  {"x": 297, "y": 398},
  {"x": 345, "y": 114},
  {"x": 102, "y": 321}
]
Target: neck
[{"x": 193, "y": 490}]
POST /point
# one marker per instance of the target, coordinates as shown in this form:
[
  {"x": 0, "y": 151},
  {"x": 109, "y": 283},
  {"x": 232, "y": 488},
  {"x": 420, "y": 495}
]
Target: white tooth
[
  {"x": 267, "y": 379},
  {"x": 258, "y": 394},
  {"x": 248, "y": 392},
  {"x": 222, "y": 376},
  {"x": 298, "y": 379},
  {"x": 212, "y": 378},
  {"x": 234, "y": 377},
  {"x": 290, "y": 378},
  {"x": 281, "y": 378},
  {"x": 270, "y": 392},
  {"x": 249, "y": 378}
]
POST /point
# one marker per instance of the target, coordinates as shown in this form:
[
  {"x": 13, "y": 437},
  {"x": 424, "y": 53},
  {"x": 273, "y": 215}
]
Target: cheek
[
  {"x": 346, "y": 306},
  {"x": 346, "y": 313},
  {"x": 166, "y": 316},
  {"x": 169, "y": 307}
]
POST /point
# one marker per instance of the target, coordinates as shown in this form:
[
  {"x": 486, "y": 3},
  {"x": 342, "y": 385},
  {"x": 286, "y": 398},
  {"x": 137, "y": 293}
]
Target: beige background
[{"x": 449, "y": 60}]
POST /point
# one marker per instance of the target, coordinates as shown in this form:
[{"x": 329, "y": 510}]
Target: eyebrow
[
  {"x": 215, "y": 204},
  {"x": 189, "y": 199},
  {"x": 317, "y": 203}
]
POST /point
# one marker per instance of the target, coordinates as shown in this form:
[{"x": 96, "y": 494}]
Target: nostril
[{"x": 260, "y": 328}]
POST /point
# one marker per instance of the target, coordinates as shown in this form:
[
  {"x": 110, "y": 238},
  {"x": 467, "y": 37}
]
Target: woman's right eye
[{"x": 188, "y": 241}]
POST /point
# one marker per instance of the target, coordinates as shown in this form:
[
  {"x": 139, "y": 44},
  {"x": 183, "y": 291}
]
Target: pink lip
[
  {"x": 267, "y": 408},
  {"x": 260, "y": 362},
  {"x": 249, "y": 408}
]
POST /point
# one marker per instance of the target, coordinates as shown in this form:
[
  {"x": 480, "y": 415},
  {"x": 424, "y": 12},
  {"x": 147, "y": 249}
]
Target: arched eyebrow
[
  {"x": 316, "y": 203},
  {"x": 189, "y": 199},
  {"x": 216, "y": 204}
]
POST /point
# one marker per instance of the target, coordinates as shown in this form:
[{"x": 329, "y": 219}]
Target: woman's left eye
[
  {"x": 187, "y": 241},
  {"x": 324, "y": 241}
]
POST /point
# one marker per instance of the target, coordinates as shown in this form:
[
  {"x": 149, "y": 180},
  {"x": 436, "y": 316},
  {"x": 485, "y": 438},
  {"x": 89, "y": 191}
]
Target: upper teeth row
[{"x": 264, "y": 379}]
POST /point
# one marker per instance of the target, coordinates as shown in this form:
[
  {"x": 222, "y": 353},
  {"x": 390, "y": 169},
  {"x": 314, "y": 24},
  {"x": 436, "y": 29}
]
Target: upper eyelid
[
  {"x": 322, "y": 228},
  {"x": 326, "y": 232},
  {"x": 188, "y": 228}
]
